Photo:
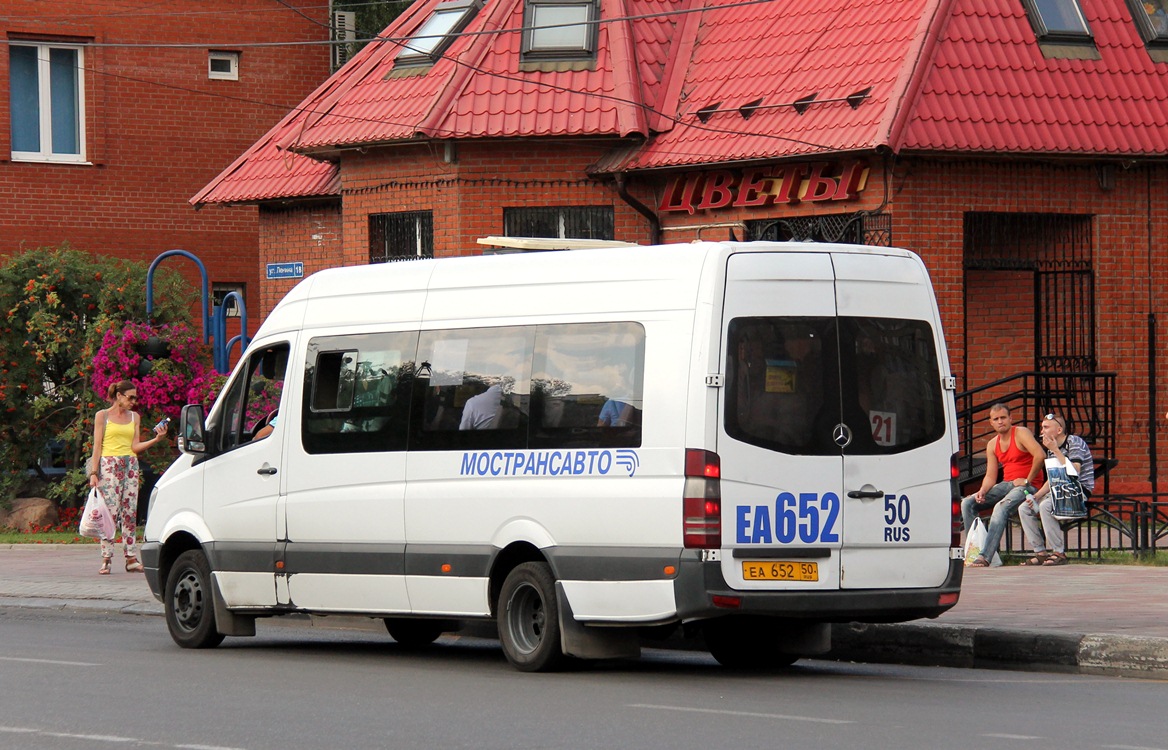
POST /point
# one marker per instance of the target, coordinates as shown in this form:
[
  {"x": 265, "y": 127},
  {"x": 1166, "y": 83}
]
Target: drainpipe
[{"x": 654, "y": 223}]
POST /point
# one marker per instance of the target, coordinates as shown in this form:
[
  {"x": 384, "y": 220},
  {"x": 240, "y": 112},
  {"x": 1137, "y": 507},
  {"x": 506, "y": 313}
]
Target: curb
[
  {"x": 1000, "y": 648},
  {"x": 927, "y": 644}
]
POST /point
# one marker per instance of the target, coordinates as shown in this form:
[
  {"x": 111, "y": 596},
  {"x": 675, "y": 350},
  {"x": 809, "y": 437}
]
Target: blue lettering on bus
[
  {"x": 550, "y": 463},
  {"x": 810, "y": 517}
]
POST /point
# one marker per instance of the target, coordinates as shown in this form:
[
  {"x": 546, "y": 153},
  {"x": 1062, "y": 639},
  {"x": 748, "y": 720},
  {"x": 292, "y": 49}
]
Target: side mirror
[{"x": 191, "y": 430}]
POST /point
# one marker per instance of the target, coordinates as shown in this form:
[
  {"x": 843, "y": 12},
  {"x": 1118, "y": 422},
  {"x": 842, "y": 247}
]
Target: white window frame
[
  {"x": 45, "y": 102},
  {"x": 232, "y": 59}
]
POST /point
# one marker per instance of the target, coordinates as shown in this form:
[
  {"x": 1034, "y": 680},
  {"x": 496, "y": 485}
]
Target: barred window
[
  {"x": 401, "y": 236},
  {"x": 560, "y": 222}
]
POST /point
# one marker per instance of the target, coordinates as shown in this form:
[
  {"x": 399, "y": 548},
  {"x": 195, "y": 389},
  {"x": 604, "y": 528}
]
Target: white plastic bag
[
  {"x": 975, "y": 541},
  {"x": 96, "y": 520}
]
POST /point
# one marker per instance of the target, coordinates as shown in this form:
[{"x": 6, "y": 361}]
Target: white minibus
[{"x": 589, "y": 448}]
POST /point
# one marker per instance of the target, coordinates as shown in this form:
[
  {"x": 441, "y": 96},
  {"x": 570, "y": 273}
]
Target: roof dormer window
[
  {"x": 559, "y": 29},
  {"x": 426, "y": 45},
  {"x": 1058, "y": 21},
  {"x": 1151, "y": 17}
]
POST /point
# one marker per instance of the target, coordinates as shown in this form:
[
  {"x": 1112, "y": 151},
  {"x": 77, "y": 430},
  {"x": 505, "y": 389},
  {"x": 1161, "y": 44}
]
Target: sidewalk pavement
[{"x": 1089, "y": 619}]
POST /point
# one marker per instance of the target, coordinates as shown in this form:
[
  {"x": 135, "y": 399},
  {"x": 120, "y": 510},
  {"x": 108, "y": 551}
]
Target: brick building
[
  {"x": 119, "y": 111},
  {"x": 1019, "y": 147}
]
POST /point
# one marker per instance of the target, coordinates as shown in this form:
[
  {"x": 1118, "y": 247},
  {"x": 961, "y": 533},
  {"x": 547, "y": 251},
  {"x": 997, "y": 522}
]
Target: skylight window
[
  {"x": 1058, "y": 20},
  {"x": 439, "y": 31},
  {"x": 1151, "y": 17},
  {"x": 559, "y": 29}
]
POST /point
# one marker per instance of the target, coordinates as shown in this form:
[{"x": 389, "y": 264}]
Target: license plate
[{"x": 776, "y": 570}]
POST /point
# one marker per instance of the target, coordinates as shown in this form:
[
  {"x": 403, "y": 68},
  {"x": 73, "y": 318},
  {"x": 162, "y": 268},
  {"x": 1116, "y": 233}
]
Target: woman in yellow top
[{"x": 114, "y": 470}]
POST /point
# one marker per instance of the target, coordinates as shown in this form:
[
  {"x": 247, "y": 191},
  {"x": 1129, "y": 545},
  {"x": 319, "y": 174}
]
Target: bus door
[
  {"x": 896, "y": 495},
  {"x": 782, "y": 471}
]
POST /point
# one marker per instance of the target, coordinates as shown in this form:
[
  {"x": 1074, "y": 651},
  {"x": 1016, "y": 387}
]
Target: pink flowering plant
[
  {"x": 57, "y": 305},
  {"x": 184, "y": 377}
]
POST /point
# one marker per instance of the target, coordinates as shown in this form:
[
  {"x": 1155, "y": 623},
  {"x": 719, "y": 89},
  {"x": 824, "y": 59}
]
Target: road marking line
[
  {"x": 51, "y": 661},
  {"x": 1131, "y": 747},
  {"x": 742, "y": 713},
  {"x": 108, "y": 739},
  {"x": 1011, "y": 736}
]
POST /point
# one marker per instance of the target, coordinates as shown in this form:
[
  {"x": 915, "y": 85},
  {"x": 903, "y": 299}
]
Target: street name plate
[{"x": 285, "y": 270}]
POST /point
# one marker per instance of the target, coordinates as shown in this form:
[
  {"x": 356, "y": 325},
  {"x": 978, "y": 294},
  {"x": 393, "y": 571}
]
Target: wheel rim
[
  {"x": 526, "y": 618},
  {"x": 187, "y": 601}
]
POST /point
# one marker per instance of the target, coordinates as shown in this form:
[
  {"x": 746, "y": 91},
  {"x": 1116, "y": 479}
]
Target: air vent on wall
[{"x": 344, "y": 33}]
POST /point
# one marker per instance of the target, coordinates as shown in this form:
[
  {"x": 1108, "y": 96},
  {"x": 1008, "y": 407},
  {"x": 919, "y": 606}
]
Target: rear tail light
[
  {"x": 955, "y": 503},
  {"x": 702, "y": 505}
]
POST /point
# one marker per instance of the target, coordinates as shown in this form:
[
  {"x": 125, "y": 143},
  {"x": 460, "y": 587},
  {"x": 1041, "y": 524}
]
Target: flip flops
[
  {"x": 979, "y": 562},
  {"x": 1056, "y": 558},
  {"x": 1040, "y": 558}
]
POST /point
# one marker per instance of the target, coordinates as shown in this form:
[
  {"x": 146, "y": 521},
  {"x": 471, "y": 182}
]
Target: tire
[
  {"x": 188, "y": 601},
  {"x": 415, "y": 633},
  {"x": 745, "y": 645},
  {"x": 529, "y": 619}
]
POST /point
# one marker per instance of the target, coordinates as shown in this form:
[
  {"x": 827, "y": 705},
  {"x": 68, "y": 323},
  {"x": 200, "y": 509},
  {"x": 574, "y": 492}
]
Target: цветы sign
[{"x": 764, "y": 186}]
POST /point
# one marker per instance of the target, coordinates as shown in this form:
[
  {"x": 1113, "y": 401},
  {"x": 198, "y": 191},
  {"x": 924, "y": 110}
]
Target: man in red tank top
[{"x": 1017, "y": 453}]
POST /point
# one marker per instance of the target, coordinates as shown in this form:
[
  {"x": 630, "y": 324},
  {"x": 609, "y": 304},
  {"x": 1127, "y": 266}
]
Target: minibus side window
[
  {"x": 588, "y": 386},
  {"x": 358, "y": 392},
  {"x": 477, "y": 388},
  {"x": 252, "y": 398}
]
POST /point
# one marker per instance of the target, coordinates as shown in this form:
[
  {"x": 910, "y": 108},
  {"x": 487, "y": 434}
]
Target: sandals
[
  {"x": 979, "y": 562},
  {"x": 105, "y": 566},
  {"x": 132, "y": 565},
  {"x": 1040, "y": 558},
  {"x": 1056, "y": 558}
]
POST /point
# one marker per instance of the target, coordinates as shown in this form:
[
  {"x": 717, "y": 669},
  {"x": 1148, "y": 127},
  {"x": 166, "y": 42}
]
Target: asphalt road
[{"x": 85, "y": 681}]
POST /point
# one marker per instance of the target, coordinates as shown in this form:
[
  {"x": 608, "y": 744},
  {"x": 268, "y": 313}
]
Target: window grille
[
  {"x": 1057, "y": 248},
  {"x": 853, "y": 228},
  {"x": 576, "y": 222},
  {"x": 401, "y": 236}
]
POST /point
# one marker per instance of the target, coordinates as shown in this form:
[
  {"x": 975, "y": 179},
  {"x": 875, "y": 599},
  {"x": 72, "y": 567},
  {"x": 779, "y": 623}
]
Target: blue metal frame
[{"x": 215, "y": 321}]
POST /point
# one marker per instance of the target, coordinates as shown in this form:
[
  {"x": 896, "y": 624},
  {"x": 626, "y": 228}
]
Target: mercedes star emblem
[{"x": 841, "y": 435}]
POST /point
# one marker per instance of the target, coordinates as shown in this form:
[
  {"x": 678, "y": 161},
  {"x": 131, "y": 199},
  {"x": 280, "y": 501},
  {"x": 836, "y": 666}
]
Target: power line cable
[{"x": 440, "y": 132}]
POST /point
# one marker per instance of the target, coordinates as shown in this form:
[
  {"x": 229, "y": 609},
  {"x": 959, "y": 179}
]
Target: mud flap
[
  {"x": 584, "y": 642},
  {"x": 226, "y": 622}
]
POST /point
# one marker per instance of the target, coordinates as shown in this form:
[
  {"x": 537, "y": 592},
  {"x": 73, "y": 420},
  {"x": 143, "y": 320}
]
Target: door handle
[
  {"x": 873, "y": 494},
  {"x": 266, "y": 471}
]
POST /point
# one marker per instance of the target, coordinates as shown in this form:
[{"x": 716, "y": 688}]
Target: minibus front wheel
[
  {"x": 529, "y": 619},
  {"x": 188, "y": 600}
]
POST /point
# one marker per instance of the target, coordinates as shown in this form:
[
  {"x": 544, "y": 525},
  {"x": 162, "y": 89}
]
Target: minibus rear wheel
[
  {"x": 746, "y": 644},
  {"x": 415, "y": 633},
  {"x": 529, "y": 619},
  {"x": 189, "y": 602}
]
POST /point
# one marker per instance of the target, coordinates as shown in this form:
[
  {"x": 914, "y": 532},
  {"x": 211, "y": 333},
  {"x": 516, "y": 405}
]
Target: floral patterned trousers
[{"x": 118, "y": 485}]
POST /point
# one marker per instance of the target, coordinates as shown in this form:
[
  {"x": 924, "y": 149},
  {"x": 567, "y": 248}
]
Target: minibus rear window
[{"x": 793, "y": 380}]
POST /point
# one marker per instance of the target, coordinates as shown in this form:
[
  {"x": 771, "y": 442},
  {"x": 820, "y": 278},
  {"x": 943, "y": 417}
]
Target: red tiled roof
[
  {"x": 923, "y": 75},
  {"x": 775, "y": 54},
  {"x": 475, "y": 90},
  {"x": 989, "y": 88}
]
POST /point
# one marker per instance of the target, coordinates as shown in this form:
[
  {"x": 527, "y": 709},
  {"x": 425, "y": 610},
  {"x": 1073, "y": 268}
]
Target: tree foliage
[
  {"x": 371, "y": 18},
  {"x": 58, "y": 304}
]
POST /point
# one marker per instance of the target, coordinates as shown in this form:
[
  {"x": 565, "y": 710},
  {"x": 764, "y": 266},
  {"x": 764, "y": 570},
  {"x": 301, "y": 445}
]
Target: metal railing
[{"x": 1136, "y": 523}]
